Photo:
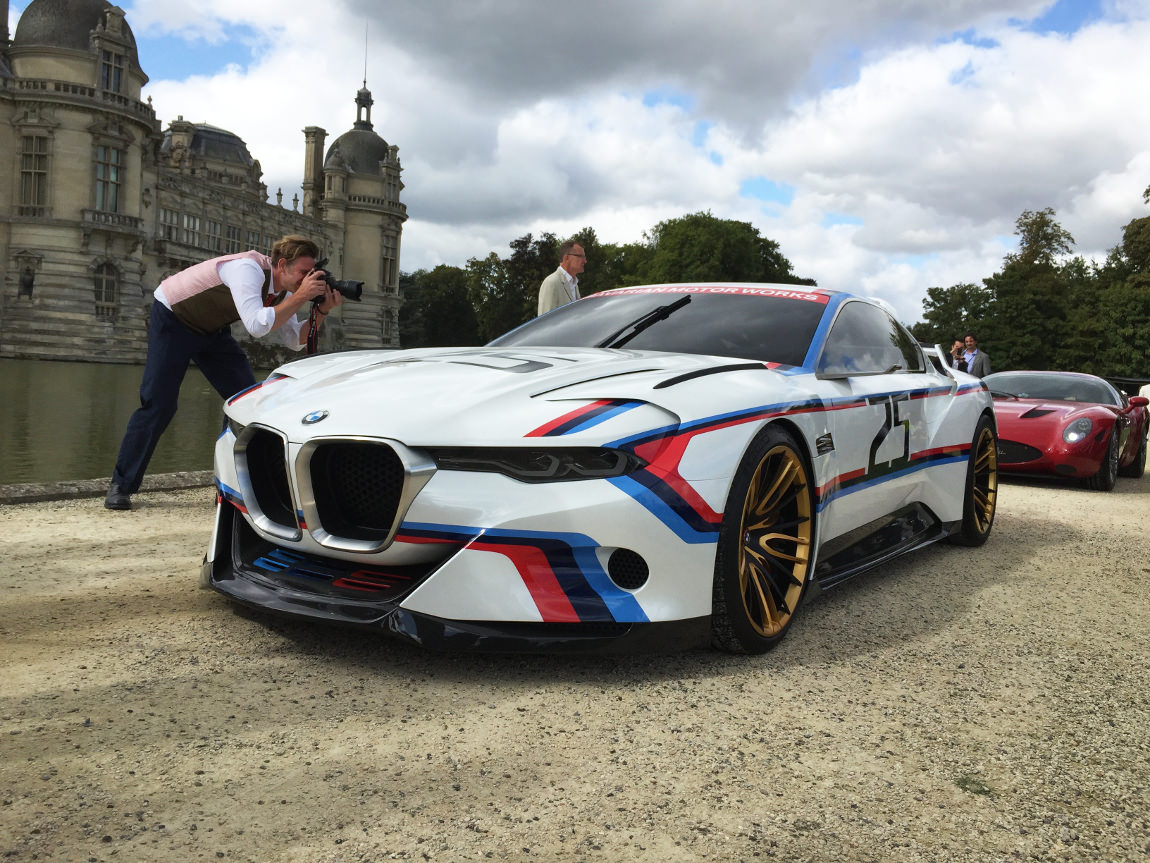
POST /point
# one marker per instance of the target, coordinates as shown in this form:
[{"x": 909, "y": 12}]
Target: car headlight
[
  {"x": 1077, "y": 430},
  {"x": 539, "y": 465}
]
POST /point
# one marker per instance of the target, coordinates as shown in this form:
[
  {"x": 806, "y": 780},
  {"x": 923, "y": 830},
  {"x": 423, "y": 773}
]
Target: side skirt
[{"x": 879, "y": 541}]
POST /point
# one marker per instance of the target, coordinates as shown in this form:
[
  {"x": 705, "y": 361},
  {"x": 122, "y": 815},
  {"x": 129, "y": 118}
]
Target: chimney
[{"x": 313, "y": 137}]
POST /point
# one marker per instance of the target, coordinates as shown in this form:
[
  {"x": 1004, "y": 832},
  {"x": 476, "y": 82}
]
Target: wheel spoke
[
  {"x": 769, "y": 617},
  {"x": 760, "y": 544},
  {"x": 775, "y": 570},
  {"x": 772, "y": 499}
]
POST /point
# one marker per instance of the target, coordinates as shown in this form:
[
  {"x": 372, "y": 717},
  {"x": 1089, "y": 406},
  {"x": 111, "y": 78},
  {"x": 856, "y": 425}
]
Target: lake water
[{"x": 63, "y": 421}]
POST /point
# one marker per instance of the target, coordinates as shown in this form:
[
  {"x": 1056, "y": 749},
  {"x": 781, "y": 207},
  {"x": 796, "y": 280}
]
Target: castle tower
[
  {"x": 313, "y": 169},
  {"x": 361, "y": 186},
  {"x": 71, "y": 245}
]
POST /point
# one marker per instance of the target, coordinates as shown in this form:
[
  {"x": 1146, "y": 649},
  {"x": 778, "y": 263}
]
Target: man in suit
[
  {"x": 977, "y": 362},
  {"x": 562, "y": 286}
]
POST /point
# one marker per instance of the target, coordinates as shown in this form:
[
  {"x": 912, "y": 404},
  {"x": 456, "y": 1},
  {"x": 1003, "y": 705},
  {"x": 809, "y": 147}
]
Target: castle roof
[
  {"x": 66, "y": 24},
  {"x": 212, "y": 142},
  {"x": 359, "y": 150}
]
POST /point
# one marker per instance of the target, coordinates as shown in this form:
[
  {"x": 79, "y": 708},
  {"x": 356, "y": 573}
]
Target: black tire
[
  {"x": 762, "y": 561},
  {"x": 1137, "y": 467},
  {"x": 981, "y": 495},
  {"x": 1107, "y": 474}
]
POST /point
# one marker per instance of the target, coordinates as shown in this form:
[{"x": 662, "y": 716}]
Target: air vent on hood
[{"x": 1035, "y": 413}]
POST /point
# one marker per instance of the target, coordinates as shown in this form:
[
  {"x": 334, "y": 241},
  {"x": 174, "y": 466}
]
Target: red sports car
[{"x": 1069, "y": 425}]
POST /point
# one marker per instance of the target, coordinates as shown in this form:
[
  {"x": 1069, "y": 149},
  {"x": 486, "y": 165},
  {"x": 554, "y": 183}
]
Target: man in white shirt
[
  {"x": 191, "y": 319},
  {"x": 562, "y": 286}
]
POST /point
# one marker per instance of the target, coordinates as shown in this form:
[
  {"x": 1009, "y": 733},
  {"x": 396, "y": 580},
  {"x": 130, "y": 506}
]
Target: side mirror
[{"x": 1138, "y": 401}]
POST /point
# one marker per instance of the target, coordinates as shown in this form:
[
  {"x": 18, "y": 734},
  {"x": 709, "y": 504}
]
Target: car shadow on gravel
[{"x": 894, "y": 605}]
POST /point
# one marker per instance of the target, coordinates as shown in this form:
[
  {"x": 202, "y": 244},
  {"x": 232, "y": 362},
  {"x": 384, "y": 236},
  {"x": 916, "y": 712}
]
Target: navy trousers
[{"x": 171, "y": 346}]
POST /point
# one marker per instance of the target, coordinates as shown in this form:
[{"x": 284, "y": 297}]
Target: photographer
[
  {"x": 957, "y": 360},
  {"x": 191, "y": 319}
]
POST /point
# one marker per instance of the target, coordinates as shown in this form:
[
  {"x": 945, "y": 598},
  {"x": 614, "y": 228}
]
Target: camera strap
[{"x": 313, "y": 330}]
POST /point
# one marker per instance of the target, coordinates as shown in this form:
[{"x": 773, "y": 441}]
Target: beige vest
[{"x": 201, "y": 302}]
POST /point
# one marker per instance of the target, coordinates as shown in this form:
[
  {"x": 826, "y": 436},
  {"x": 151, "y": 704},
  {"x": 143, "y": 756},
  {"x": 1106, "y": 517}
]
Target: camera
[{"x": 351, "y": 289}]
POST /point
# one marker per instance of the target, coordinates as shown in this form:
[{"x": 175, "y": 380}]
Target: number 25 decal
[{"x": 895, "y": 407}]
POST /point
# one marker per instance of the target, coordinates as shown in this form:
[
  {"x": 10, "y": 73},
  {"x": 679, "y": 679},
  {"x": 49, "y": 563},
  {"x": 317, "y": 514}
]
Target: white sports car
[{"x": 648, "y": 468}]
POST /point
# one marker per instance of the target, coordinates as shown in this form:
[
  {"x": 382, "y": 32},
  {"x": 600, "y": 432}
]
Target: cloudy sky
[{"x": 887, "y": 145}]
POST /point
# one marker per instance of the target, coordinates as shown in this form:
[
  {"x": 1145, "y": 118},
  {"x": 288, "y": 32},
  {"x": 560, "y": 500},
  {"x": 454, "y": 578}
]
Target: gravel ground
[{"x": 974, "y": 705}]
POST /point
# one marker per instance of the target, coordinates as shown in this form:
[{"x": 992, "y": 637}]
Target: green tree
[
  {"x": 622, "y": 266},
  {"x": 448, "y": 315},
  {"x": 530, "y": 263},
  {"x": 505, "y": 291},
  {"x": 1041, "y": 239},
  {"x": 1124, "y": 313},
  {"x": 1121, "y": 311},
  {"x": 1084, "y": 330},
  {"x": 487, "y": 290},
  {"x": 1027, "y": 324},
  {"x": 411, "y": 312},
  {"x": 1135, "y": 247},
  {"x": 701, "y": 247},
  {"x": 950, "y": 313}
]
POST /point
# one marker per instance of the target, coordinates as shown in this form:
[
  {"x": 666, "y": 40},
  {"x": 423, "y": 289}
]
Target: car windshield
[
  {"x": 762, "y": 328},
  {"x": 1063, "y": 388}
]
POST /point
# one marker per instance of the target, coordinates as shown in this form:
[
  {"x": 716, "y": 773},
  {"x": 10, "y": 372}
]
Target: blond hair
[{"x": 291, "y": 247}]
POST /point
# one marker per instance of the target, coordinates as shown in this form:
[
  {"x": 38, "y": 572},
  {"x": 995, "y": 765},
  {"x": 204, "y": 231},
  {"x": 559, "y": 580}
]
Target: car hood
[
  {"x": 1036, "y": 413},
  {"x": 478, "y": 395}
]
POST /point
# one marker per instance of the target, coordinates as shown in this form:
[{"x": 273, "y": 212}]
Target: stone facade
[{"x": 98, "y": 203}]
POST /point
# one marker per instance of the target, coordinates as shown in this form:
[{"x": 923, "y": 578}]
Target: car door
[{"x": 878, "y": 384}]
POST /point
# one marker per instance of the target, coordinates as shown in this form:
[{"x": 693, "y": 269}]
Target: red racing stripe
[{"x": 539, "y": 578}]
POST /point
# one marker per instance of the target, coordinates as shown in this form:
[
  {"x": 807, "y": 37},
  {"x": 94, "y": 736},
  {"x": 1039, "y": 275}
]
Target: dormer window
[{"x": 111, "y": 71}]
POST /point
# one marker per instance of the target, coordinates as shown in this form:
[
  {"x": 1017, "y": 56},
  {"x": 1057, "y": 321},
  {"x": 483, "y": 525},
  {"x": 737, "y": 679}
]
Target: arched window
[{"x": 107, "y": 285}]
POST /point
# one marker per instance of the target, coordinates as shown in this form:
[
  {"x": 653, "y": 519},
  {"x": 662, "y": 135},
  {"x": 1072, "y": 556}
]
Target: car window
[
  {"x": 1054, "y": 387},
  {"x": 935, "y": 358},
  {"x": 865, "y": 340},
  {"x": 767, "y": 329}
]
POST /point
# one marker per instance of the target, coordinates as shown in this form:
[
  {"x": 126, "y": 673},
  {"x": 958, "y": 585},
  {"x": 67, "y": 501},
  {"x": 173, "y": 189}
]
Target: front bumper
[
  {"x": 1062, "y": 459},
  {"x": 255, "y": 573}
]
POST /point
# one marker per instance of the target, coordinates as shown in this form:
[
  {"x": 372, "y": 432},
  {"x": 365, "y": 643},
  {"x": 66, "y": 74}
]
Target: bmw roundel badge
[{"x": 314, "y": 417}]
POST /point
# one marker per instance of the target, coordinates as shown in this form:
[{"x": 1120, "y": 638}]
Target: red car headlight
[{"x": 1077, "y": 430}]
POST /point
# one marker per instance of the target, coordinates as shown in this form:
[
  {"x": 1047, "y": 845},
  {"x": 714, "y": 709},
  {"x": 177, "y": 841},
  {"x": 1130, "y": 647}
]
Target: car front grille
[
  {"x": 264, "y": 457},
  {"x": 357, "y": 488},
  {"x": 1013, "y": 452},
  {"x": 350, "y": 494}
]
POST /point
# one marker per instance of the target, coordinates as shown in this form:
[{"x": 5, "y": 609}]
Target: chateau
[{"x": 98, "y": 204}]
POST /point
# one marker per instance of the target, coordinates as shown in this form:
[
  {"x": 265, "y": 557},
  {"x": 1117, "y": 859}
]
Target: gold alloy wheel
[
  {"x": 985, "y": 489},
  {"x": 775, "y": 540}
]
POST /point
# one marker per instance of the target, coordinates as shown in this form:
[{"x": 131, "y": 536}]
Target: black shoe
[{"x": 117, "y": 498}]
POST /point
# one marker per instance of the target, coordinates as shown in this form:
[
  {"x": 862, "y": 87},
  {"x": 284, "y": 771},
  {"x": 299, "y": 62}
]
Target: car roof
[{"x": 766, "y": 289}]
